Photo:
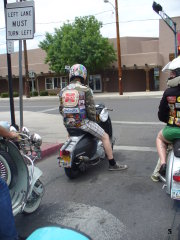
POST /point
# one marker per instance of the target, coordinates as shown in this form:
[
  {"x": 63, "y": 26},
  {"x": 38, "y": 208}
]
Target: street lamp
[{"x": 118, "y": 46}]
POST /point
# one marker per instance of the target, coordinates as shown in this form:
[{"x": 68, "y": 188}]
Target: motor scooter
[
  {"x": 82, "y": 149},
  {"x": 172, "y": 178},
  {"x": 17, "y": 169}
]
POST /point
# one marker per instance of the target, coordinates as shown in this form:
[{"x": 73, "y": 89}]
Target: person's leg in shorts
[
  {"x": 165, "y": 137},
  {"x": 98, "y": 132}
]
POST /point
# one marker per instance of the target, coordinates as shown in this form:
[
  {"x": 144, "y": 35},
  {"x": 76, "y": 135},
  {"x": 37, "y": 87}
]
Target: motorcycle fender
[{"x": 37, "y": 173}]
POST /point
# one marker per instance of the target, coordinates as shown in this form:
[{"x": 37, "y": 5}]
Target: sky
[{"x": 136, "y": 17}]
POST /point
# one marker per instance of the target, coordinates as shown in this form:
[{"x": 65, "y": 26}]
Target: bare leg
[
  {"x": 161, "y": 144},
  {"x": 107, "y": 146}
]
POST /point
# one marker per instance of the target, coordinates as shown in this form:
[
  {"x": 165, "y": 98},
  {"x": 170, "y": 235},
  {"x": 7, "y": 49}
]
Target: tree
[{"x": 79, "y": 42}]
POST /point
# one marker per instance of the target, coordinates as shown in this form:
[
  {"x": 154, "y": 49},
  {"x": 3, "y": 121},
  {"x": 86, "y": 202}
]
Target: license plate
[
  {"x": 175, "y": 194},
  {"x": 65, "y": 161}
]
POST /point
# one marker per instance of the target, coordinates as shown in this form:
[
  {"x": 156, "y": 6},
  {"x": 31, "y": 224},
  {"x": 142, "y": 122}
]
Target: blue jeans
[{"x": 7, "y": 224}]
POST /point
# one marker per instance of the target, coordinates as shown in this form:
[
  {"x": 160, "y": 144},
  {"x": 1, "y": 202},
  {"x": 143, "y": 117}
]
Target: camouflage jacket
[{"x": 73, "y": 109}]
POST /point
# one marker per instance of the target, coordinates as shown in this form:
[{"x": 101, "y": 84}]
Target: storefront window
[{"x": 56, "y": 82}]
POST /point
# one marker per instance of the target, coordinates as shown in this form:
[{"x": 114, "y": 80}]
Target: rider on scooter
[
  {"x": 169, "y": 112},
  {"x": 78, "y": 110}
]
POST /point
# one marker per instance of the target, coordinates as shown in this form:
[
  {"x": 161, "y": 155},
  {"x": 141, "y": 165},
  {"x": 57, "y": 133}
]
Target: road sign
[
  {"x": 10, "y": 46},
  {"x": 20, "y": 20},
  {"x": 31, "y": 74}
]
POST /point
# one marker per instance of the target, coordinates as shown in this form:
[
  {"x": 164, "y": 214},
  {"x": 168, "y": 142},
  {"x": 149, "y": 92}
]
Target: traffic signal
[
  {"x": 157, "y": 7},
  {"x": 178, "y": 50}
]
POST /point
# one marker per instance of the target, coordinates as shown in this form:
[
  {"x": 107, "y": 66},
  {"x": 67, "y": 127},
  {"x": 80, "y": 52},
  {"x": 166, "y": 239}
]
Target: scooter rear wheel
[{"x": 71, "y": 172}]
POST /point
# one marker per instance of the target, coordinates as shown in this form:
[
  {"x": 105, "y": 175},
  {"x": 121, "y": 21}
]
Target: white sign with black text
[{"x": 20, "y": 21}]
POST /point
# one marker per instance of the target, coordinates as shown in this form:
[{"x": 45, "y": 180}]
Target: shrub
[
  {"x": 15, "y": 94},
  {"x": 5, "y": 95},
  {"x": 34, "y": 94},
  {"x": 52, "y": 94},
  {"x": 44, "y": 93}
]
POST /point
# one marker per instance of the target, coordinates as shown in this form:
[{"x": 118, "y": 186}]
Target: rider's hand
[{"x": 13, "y": 135}]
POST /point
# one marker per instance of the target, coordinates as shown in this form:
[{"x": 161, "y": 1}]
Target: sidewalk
[{"x": 50, "y": 127}]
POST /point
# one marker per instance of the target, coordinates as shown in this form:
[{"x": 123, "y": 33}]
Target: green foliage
[
  {"x": 5, "y": 95},
  {"x": 79, "y": 42},
  {"x": 34, "y": 94},
  {"x": 15, "y": 94},
  {"x": 44, "y": 93},
  {"x": 52, "y": 94}
]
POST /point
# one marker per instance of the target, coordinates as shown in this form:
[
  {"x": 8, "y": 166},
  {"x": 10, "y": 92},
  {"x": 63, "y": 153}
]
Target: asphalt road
[{"x": 105, "y": 205}]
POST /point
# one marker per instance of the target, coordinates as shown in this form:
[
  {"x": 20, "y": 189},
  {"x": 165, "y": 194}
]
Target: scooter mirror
[{"x": 26, "y": 131}]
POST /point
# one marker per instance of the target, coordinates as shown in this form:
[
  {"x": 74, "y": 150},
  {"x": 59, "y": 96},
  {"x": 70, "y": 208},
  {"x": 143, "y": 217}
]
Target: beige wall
[
  {"x": 136, "y": 52},
  {"x": 166, "y": 46}
]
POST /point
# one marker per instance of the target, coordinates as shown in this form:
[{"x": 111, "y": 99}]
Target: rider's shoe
[
  {"x": 117, "y": 167},
  {"x": 155, "y": 178},
  {"x": 162, "y": 170}
]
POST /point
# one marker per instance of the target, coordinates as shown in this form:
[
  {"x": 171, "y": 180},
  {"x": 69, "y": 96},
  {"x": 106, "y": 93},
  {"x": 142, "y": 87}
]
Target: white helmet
[{"x": 174, "y": 65}]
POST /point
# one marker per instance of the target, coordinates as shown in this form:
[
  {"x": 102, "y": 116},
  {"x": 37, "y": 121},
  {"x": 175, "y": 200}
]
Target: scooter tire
[
  {"x": 71, "y": 173},
  {"x": 8, "y": 169},
  {"x": 34, "y": 200}
]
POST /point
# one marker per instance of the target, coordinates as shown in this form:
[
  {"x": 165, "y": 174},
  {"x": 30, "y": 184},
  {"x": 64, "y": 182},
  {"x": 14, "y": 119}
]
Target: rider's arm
[
  {"x": 6, "y": 134},
  {"x": 163, "y": 113},
  {"x": 90, "y": 105}
]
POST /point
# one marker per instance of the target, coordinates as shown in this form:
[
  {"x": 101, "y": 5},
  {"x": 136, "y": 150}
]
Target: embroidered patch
[
  {"x": 70, "y": 98},
  {"x": 171, "y": 99}
]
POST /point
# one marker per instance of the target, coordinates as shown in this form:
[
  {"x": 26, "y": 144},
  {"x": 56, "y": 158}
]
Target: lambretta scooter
[
  {"x": 172, "y": 179},
  {"x": 17, "y": 169},
  {"x": 82, "y": 149}
]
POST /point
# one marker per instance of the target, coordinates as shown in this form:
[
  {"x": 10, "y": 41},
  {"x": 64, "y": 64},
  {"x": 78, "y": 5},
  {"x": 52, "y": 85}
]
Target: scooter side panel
[
  {"x": 19, "y": 191},
  {"x": 170, "y": 159},
  {"x": 175, "y": 186}
]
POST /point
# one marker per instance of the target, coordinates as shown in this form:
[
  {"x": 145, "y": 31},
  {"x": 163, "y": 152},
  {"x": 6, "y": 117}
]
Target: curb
[{"x": 48, "y": 149}]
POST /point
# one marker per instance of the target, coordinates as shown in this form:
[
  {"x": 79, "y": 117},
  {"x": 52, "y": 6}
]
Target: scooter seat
[{"x": 76, "y": 131}]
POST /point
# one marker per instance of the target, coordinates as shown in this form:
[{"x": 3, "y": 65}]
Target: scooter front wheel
[
  {"x": 35, "y": 198},
  {"x": 71, "y": 172},
  {"x": 8, "y": 169}
]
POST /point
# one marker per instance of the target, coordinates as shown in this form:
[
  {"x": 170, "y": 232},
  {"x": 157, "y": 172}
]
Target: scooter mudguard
[{"x": 36, "y": 173}]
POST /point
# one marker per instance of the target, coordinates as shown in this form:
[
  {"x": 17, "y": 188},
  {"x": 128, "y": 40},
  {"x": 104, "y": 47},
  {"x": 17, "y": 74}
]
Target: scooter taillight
[
  {"x": 64, "y": 153},
  {"x": 176, "y": 177}
]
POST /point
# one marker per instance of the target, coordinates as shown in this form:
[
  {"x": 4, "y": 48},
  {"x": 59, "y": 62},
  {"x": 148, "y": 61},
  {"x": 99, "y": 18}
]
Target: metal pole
[
  {"x": 118, "y": 50},
  {"x": 20, "y": 85},
  {"x": 175, "y": 36},
  {"x": 27, "y": 88},
  {"x": 10, "y": 80}
]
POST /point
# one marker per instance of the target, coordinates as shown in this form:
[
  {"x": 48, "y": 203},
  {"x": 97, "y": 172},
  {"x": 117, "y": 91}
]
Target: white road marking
[
  {"x": 48, "y": 110},
  {"x": 137, "y": 123},
  {"x": 134, "y": 148}
]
